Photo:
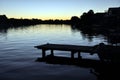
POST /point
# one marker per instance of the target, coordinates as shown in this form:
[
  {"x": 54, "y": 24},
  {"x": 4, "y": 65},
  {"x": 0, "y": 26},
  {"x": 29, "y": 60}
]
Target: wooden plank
[{"x": 63, "y": 47}]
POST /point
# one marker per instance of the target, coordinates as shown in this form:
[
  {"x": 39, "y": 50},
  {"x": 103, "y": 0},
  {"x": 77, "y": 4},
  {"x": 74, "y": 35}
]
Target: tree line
[{"x": 109, "y": 19}]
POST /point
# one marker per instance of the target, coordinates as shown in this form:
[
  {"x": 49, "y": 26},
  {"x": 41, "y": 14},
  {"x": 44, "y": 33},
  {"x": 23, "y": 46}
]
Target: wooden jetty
[{"x": 62, "y": 47}]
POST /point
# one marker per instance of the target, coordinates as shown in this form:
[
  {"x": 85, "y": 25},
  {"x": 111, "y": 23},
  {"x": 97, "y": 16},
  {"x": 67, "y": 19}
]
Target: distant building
[{"x": 114, "y": 11}]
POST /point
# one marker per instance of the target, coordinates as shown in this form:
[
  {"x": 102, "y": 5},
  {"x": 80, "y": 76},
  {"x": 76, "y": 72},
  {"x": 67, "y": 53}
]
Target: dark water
[{"x": 18, "y": 55}]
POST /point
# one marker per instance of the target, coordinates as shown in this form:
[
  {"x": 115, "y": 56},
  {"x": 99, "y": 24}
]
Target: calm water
[{"x": 18, "y": 55}]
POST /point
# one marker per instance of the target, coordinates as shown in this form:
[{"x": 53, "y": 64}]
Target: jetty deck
[{"x": 63, "y": 47}]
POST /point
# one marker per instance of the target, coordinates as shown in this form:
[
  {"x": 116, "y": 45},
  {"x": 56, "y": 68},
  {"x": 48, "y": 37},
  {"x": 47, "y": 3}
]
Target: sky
[{"x": 53, "y": 9}]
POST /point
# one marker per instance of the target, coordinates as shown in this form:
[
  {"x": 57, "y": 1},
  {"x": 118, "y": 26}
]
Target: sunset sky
[{"x": 53, "y": 9}]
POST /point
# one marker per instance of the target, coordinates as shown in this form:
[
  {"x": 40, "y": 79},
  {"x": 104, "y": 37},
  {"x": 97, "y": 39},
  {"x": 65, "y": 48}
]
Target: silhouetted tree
[
  {"x": 3, "y": 21},
  {"x": 90, "y": 12},
  {"x": 87, "y": 18},
  {"x": 74, "y": 20}
]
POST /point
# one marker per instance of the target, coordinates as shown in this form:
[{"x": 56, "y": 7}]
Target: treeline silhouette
[
  {"x": 12, "y": 22},
  {"x": 108, "y": 19},
  {"x": 93, "y": 24}
]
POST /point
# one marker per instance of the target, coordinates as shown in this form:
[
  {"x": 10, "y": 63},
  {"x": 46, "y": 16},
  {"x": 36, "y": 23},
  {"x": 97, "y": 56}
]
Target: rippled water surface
[{"x": 18, "y": 55}]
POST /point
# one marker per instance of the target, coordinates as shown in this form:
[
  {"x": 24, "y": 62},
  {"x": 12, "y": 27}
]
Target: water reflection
[
  {"x": 18, "y": 55},
  {"x": 110, "y": 36},
  {"x": 17, "y": 51},
  {"x": 102, "y": 70},
  {"x": 54, "y": 31},
  {"x": 3, "y": 34}
]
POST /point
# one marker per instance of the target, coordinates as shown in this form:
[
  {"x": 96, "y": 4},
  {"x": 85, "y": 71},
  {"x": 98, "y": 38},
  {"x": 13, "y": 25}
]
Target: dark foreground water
[{"x": 18, "y": 55}]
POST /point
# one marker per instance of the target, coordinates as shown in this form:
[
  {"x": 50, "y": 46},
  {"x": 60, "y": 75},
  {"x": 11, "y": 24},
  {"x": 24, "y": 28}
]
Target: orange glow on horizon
[{"x": 42, "y": 18}]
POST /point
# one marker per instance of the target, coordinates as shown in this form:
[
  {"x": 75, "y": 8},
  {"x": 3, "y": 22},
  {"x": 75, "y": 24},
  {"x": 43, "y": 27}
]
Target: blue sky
[{"x": 53, "y": 9}]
